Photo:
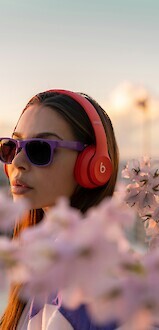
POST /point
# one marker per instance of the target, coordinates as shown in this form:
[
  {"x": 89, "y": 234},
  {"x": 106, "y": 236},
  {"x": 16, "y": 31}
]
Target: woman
[{"x": 71, "y": 152}]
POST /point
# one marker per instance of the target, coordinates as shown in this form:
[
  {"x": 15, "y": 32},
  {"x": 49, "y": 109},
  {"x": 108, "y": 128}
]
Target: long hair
[{"x": 82, "y": 198}]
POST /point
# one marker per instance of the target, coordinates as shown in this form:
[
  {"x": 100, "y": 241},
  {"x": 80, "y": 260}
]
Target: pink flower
[
  {"x": 8, "y": 253},
  {"x": 10, "y": 212},
  {"x": 132, "y": 170},
  {"x": 93, "y": 257},
  {"x": 142, "y": 193},
  {"x": 155, "y": 214},
  {"x": 146, "y": 200},
  {"x": 8, "y": 260},
  {"x": 132, "y": 194},
  {"x": 49, "y": 250},
  {"x": 62, "y": 216}
]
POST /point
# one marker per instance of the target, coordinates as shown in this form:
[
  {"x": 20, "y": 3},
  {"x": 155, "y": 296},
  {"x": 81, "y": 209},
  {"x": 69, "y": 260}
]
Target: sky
[{"x": 88, "y": 46}]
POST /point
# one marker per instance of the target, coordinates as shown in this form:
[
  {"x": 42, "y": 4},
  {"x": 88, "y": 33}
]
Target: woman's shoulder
[
  {"x": 53, "y": 315},
  {"x": 79, "y": 319}
]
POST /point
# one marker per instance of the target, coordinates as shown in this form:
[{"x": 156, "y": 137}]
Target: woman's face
[{"x": 43, "y": 185}]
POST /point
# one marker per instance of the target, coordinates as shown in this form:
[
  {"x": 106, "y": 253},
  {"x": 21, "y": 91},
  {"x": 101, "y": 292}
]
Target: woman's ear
[{"x": 5, "y": 170}]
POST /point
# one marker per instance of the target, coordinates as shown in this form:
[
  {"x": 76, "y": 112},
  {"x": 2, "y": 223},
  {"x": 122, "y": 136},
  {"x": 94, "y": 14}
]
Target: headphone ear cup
[
  {"x": 81, "y": 170},
  {"x": 5, "y": 170},
  {"x": 100, "y": 170},
  {"x": 91, "y": 170}
]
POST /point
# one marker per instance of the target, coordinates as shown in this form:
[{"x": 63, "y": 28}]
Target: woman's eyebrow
[{"x": 43, "y": 135}]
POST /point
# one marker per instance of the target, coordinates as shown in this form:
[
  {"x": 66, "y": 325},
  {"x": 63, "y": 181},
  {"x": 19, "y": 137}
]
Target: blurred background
[{"x": 107, "y": 49}]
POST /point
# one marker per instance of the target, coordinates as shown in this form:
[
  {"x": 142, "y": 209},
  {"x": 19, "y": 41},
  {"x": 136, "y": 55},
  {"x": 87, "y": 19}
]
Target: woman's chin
[{"x": 17, "y": 198}]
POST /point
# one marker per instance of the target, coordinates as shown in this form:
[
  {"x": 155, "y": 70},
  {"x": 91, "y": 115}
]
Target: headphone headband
[{"x": 100, "y": 135}]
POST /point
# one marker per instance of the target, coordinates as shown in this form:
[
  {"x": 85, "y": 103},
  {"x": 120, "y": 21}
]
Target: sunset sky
[{"x": 89, "y": 46}]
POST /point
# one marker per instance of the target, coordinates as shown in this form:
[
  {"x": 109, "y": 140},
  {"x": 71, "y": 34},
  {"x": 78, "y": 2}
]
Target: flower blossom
[
  {"x": 10, "y": 212},
  {"x": 88, "y": 259},
  {"x": 92, "y": 243},
  {"x": 143, "y": 190}
]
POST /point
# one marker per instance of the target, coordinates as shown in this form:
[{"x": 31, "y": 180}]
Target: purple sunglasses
[{"x": 38, "y": 151}]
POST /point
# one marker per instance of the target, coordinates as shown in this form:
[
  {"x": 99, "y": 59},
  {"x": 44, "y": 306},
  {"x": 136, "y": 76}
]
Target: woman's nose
[{"x": 20, "y": 160}]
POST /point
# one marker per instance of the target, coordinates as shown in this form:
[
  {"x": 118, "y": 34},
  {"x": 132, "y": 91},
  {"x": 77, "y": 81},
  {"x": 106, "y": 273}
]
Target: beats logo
[{"x": 102, "y": 168}]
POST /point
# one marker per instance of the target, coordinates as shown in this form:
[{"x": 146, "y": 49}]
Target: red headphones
[{"x": 93, "y": 166}]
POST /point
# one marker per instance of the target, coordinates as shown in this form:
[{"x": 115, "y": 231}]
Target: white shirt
[{"x": 48, "y": 318}]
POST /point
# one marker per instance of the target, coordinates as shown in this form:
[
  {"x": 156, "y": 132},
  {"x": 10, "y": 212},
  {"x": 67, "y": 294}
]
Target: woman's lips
[{"x": 19, "y": 188}]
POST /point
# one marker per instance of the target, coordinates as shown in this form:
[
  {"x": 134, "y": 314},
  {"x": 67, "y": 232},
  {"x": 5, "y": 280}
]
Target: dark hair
[{"x": 82, "y": 198}]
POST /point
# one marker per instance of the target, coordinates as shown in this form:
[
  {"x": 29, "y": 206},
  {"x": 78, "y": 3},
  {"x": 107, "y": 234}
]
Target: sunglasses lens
[
  {"x": 39, "y": 152},
  {"x": 7, "y": 150}
]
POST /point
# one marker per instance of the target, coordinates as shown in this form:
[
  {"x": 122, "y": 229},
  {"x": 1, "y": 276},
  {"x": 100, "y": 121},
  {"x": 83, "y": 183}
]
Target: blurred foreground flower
[
  {"x": 88, "y": 259},
  {"x": 10, "y": 212}
]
